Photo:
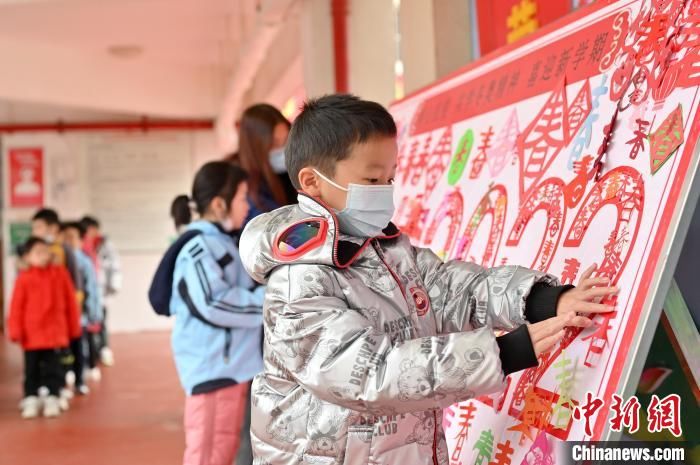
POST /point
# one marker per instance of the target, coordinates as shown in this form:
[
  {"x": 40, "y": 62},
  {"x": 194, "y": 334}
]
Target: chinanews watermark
[
  {"x": 663, "y": 415},
  {"x": 622, "y": 452}
]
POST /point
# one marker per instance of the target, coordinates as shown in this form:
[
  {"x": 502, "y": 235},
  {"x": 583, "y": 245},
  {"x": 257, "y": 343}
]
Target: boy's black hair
[
  {"x": 78, "y": 225},
  {"x": 29, "y": 244},
  {"x": 48, "y": 216},
  {"x": 90, "y": 222},
  {"x": 328, "y": 127}
]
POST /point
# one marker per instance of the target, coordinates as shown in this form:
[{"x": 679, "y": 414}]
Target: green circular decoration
[{"x": 461, "y": 157}]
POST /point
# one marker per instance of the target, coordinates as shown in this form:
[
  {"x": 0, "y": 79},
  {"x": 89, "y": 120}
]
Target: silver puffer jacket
[{"x": 366, "y": 341}]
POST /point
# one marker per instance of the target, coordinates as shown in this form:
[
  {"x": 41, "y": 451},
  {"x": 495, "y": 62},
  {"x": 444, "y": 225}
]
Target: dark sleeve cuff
[
  {"x": 516, "y": 350},
  {"x": 541, "y": 303}
]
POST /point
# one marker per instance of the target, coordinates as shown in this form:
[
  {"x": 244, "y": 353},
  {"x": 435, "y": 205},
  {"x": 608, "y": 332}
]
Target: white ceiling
[
  {"x": 199, "y": 32},
  {"x": 56, "y": 63}
]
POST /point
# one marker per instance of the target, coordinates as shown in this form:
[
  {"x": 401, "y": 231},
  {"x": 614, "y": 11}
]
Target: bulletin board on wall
[
  {"x": 132, "y": 180},
  {"x": 578, "y": 146}
]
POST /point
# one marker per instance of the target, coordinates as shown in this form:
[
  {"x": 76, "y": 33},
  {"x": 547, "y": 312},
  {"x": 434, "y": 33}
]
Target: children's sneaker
[
  {"x": 96, "y": 374},
  {"x": 70, "y": 379},
  {"x": 66, "y": 393},
  {"x": 30, "y": 407},
  {"x": 107, "y": 357},
  {"x": 82, "y": 390},
  {"x": 63, "y": 403},
  {"x": 52, "y": 407}
]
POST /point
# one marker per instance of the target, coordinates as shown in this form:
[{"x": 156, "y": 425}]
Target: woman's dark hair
[
  {"x": 180, "y": 211},
  {"x": 24, "y": 249},
  {"x": 256, "y": 131},
  {"x": 216, "y": 179}
]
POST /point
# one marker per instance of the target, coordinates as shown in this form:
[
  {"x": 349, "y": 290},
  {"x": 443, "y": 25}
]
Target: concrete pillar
[
  {"x": 317, "y": 47},
  {"x": 371, "y": 51},
  {"x": 453, "y": 35}
]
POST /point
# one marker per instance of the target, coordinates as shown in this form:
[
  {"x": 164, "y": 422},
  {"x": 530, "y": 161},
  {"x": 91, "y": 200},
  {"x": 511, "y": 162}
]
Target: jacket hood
[{"x": 304, "y": 233}]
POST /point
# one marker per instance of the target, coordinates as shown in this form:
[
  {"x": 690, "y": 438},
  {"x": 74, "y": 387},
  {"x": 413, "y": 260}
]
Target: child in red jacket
[{"x": 43, "y": 318}]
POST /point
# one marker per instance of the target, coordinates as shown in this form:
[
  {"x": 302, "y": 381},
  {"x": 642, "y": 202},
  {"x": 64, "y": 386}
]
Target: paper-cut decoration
[
  {"x": 504, "y": 454},
  {"x": 587, "y": 410},
  {"x": 542, "y": 140},
  {"x": 640, "y": 135},
  {"x": 564, "y": 405},
  {"x": 484, "y": 448},
  {"x": 437, "y": 162},
  {"x": 480, "y": 160},
  {"x": 504, "y": 145},
  {"x": 451, "y": 209},
  {"x": 577, "y": 187},
  {"x": 598, "y": 339},
  {"x": 549, "y": 133},
  {"x": 540, "y": 452},
  {"x": 548, "y": 197},
  {"x": 461, "y": 157},
  {"x": 603, "y": 149},
  {"x": 494, "y": 204},
  {"x": 571, "y": 268},
  {"x": 412, "y": 216},
  {"x": 625, "y": 415},
  {"x": 536, "y": 414},
  {"x": 466, "y": 416},
  {"x": 585, "y": 133},
  {"x": 579, "y": 110},
  {"x": 666, "y": 139}
]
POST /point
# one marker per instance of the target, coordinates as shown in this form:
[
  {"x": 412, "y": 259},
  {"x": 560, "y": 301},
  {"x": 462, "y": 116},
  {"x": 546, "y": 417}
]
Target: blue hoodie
[
  {"x": 92, "y": 311},
  {"x": 218, "y": 314}
]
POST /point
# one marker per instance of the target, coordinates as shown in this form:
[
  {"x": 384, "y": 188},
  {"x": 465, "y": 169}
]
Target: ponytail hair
[
  {"x": 216, "y": 179},
  {"x": 180, "y": 211}
]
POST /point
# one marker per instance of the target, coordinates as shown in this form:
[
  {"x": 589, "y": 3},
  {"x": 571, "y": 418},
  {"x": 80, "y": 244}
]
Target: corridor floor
[{"x": 132, "y": 416}]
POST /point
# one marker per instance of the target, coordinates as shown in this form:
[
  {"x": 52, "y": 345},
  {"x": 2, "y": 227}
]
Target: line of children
[
  {"x": 92, "y": 315},
  {"x": 64, "y": 251},
  {"x": 107, "y": 264}
]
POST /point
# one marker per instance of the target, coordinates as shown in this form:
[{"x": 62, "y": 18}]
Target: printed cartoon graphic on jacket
[
  {"x": 339, "y": 332},
  {"x": 418, "y": 381}
]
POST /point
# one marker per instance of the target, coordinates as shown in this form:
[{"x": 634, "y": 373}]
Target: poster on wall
[
  {"x": 573, "y": 149},
  {"x": 26, "y": 177}
]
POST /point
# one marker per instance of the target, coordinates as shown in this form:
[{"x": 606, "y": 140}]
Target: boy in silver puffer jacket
[{"x": 366, "y": 336}]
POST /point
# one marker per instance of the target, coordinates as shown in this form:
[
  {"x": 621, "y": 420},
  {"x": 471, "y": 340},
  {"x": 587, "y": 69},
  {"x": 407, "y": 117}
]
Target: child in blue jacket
[{"x": 217, "y": 336}]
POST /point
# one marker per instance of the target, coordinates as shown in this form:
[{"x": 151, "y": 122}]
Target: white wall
[{"x": 67, "y": 189}]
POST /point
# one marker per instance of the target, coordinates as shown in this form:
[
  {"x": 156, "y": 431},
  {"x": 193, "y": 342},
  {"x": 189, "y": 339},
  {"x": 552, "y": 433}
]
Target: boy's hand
[
  {"x": 545, "y": 334},
  {"x": 585, "y": 297}
]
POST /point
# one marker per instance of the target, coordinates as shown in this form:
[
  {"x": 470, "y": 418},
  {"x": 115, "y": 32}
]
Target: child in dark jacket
[{"x": 43, "y": 318}]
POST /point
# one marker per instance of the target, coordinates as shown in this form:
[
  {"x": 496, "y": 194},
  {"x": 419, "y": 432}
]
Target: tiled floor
[{"x": 132, "y": 417}]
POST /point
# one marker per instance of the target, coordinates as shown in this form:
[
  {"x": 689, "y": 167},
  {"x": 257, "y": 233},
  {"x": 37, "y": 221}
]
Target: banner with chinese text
[{"x": 567, "y": 151}]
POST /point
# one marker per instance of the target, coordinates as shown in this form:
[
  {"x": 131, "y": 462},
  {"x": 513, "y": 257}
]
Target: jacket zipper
[
  {"x": 377, "y": 248},
  {"x": 227, "y": 344}
]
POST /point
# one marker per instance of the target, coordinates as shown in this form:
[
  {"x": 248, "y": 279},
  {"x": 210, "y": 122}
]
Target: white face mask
[
  {"x": 368, "y": 209},
  {"x": 277, "y": 161}
]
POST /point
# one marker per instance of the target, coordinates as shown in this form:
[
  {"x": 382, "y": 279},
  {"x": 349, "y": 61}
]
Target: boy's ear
[{"x": 309, "y": 182}]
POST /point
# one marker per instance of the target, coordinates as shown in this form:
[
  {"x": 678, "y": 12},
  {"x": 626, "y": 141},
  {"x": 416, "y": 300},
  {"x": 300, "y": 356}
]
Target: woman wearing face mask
[
  {"x": 263, "y": 132},
  {"x": 218, "y": 317}
]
